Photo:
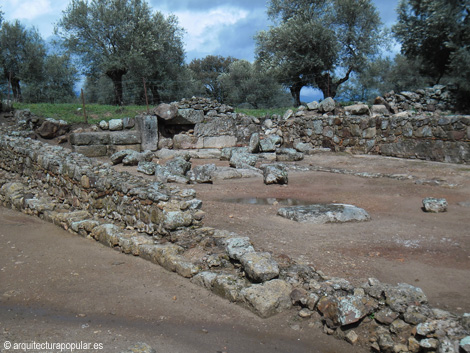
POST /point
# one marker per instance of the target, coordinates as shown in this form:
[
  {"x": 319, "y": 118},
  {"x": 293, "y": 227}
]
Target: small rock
[
  {"x": 465, "y": 344},
  {"x": 434, "y": 205},
  {"x": 115, "y": 125},
  {"x": 305, "y": 313},
  {"x": 275, "y": 174},
  {"x": 352, "y": 337},
  {"x": 140, "y": 347}
]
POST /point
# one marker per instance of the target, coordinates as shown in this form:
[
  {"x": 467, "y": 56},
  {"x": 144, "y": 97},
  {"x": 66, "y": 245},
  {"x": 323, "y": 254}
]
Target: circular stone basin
[
  {"x": 267, "y": 201},
  {"x": 324, "y": 213}
]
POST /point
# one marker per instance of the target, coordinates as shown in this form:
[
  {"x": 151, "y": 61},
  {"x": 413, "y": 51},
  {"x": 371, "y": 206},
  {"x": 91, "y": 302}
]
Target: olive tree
[
  {"x": 208, "y": 70},
  {"x": 114, "y": 37},
  {"x": 22, "y": 53},
  {"x": 318, "y": 43}
]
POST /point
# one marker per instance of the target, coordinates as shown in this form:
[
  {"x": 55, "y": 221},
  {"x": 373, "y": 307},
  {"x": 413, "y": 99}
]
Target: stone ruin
[{"x": 158, "y": 221}]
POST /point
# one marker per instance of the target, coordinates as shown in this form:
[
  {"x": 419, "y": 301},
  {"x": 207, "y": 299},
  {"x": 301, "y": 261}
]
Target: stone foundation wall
[
  {"x": 82, "y": 184},
  {"x": 430, "y": 137}
]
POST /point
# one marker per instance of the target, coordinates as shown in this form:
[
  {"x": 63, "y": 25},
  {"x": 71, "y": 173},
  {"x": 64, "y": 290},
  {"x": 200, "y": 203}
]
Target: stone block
[
  {"x": 91, "y": 150},
  {"x": 125, "y": 138},
  {"x": 219, "y": 142},
  {"x": 89, "y": 138},
  {"x": 148, "y": 127}
]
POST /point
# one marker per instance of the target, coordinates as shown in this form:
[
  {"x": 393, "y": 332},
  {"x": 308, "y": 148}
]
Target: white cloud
[
  {"x": 27, "y": 9},
  {"x": 203, "y": 28}
]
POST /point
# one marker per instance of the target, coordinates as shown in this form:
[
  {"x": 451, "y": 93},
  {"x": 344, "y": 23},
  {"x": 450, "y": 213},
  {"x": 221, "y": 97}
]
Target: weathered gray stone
[
  {"x": 399, "y": 297},
  {"x": 268, "y": 298},
  {"x": 243, "y": 160},
  {"x": 302, "y": 147},
  {"x": 270, "y": 143},
  {"x": 357, "y": 109},
  {"x": 51, "y": 128},
  {"x": 386, "y": 316},
  {"x": 351, "y": 309},
  {"x": 89, "y": 138},
  {"x": 253, "y": 146},
  {"x": 259, "y": 267},
  {"x": 236, "y": 247},
  {"x": 379, "y": 109},
  {"x": 179, "y": 165},
  {"x": 91, "y": 150},
  {"x": 166, "y": 111},
  {"x": 133, "y": 158},
  {"x": 219, "y": 141},
  {"x": 324, "y": 213},
  {"x": 465, "y": 344},
  {"x": 147, "y": 168},
  {"x": 188, "y": 116},
  {"x": 434, "y": 205},
  {"x": 288, "y": 155},
  {"x": 327, "y": 105},
  {"x": 275, "y": 174},
  {"x": 104, "y": 125},
  {"x": 125, "y": 138},
  {"x": 202, "y": 174},
  {"x": 115, "y": 124},
  {"x": 313, "y": 105},
  {"x": 148, "y": 127},
  {"x": 184, "y": 142},
  {"x": 229, "y": 286}
]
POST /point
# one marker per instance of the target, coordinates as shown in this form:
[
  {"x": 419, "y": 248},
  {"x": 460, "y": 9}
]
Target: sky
[{"x": 212, "y": 27}]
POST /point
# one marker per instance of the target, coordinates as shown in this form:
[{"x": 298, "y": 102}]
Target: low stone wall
[
  {"x": 83, "y": 184},
  {"x": 80, "y": 195},
  {"x": 431, "y": 137}
]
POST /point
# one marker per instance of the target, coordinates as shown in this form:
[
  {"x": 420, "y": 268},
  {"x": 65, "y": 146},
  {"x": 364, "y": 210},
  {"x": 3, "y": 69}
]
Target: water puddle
[{"x": 273, "y": 201}]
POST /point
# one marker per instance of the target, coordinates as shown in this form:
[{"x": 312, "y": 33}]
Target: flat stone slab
[{"x": 324, "y": 213}]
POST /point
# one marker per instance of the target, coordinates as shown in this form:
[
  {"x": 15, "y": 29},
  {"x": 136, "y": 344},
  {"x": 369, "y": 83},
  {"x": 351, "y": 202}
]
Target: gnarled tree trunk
[{"x": 116, "y": 76}]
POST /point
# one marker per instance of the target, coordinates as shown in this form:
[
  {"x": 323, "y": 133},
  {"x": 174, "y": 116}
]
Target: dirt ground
[
  {"x": 400, "y": 244},
  {"x": 60, "y": 288}
]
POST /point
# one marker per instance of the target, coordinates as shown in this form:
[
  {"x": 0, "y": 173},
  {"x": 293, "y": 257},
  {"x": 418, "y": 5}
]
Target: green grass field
[{"x": 73, "y": 112}]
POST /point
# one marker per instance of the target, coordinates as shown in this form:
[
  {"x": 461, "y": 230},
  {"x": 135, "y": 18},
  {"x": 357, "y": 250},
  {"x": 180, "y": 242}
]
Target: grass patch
[
  {"x": 73, "y": 113},
  {"x": 261, "y": 113}
]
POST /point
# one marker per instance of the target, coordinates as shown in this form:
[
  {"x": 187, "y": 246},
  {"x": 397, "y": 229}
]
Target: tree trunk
[
  {"x": 116, "y": 76},
  {"x": 328, "y": 86},
  {"x": 14, "y": 84},
  {"x": 156, "y": 98},
  {"x": 16, "y": 88},
  {"x": 295, "y": 91}
]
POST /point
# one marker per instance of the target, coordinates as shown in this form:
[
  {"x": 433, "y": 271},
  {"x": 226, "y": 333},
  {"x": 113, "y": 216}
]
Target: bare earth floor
[
  {"x": 400, "y": 244},
  {"x": 61, "y": 288}
]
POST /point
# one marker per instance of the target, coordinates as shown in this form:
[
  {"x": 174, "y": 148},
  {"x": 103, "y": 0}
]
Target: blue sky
[{"x": 213, "y": 27}]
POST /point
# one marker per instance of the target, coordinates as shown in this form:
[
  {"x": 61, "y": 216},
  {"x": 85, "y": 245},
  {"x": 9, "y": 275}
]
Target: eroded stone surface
[{"x": 324, "y": 213}]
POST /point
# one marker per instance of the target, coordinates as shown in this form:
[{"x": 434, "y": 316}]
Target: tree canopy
[
  {"x": 207, "y": 71},
  {"x": 318, "y": 43},
  {"x": 437, "y": 34},
  {"x": 114, "y": 37},
  {"x": 22, "y": 53}
]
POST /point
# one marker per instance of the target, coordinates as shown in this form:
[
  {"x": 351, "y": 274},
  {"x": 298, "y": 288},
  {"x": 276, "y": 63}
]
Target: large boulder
[
  {"x": 202, "y": 174},
  {"x": 275, "y": 174},
  {"x": 357, "y": 109},
  {"x": 243, "y": 160},
  {"x": 268, "y": 298},
  {"x": 324, "y": 213},
  {"x": 180, "y": 165},
  {"x": 52, "y": 128},
  {"x": 327, "y": 105},
  {"x": 259, "y": 267},
  {"x": 270, "y": 143},
  {"x": 166, "y": 111}
]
